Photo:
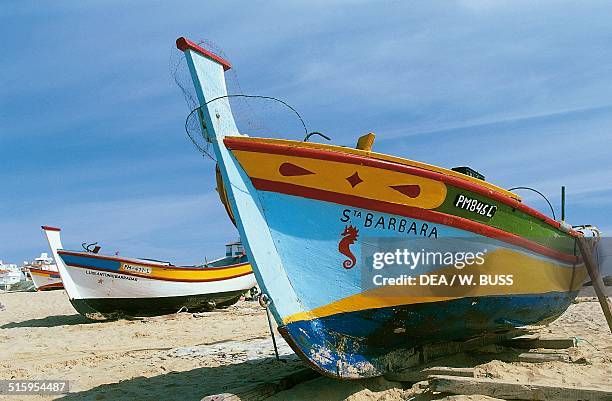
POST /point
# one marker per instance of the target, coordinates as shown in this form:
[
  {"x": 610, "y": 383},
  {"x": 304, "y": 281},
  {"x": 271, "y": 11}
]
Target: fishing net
[{"x": 256, "y": 115}]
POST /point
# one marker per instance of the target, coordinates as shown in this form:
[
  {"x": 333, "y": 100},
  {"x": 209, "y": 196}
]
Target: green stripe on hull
[{"x": 510, "y": 220}]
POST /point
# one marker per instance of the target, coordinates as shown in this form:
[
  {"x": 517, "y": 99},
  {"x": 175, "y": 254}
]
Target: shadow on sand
[
  {"x": 190, "y": 385},
  {"x": 235, "y": 378},
  {"x": 51, "y": 321}
]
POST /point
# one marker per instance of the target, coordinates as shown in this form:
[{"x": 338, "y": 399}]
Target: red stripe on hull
[
  {"x": 238, "y": 144},
  {"x": 411, "y": 212},
  {"x": 123, "y": 273},
  {"x": 50, "y": 287},
  {"x": 43, "y": 272}
]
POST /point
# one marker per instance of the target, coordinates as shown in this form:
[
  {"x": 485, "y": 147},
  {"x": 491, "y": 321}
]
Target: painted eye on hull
[
  {"x": 291, "y": 170},
  {"x": 411, "y": 191}
]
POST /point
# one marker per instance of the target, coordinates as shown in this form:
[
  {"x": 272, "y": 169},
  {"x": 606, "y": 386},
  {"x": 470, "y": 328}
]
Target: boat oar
[{"x": 586, "y": 249}]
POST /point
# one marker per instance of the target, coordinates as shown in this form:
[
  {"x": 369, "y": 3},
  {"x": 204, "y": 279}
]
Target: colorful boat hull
[
  {"x": 109, "y": 285},
  {"x": 347, "y": 331},
  {"x": 45, "y": 280},
  {"x": 304, "y": 211}
]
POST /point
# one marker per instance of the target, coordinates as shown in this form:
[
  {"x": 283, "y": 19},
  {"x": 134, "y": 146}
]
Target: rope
[
  {"x": 203, "y": 125},
  {"x": 579, "y": 340},
  {"x": 542, "y": 195},
  {"x": 264, "y": 301}
]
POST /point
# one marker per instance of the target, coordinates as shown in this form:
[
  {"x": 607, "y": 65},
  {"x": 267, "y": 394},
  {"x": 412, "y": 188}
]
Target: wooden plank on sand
[
  {"x": 417, "y": 375},
  {"x": 550, "y": 343},
  {"x": 516, "y": 391},
  {"x": 434, "y": 351},
  {"x": 535, "y": 357},
  {"x": 268, "y": 389}
]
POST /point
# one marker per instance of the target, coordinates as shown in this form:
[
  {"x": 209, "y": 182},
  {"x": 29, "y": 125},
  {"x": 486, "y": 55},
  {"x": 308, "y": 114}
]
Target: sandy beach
[{"x": 187, "y": 357}]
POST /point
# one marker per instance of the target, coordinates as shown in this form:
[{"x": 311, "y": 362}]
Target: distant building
[{"x": 10, "y": 274}]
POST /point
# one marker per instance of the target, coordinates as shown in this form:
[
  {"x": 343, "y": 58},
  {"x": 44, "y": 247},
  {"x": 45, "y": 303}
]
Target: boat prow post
[
  {"x": 55, "y": 244},
  {"x": 207, "y": 72}
]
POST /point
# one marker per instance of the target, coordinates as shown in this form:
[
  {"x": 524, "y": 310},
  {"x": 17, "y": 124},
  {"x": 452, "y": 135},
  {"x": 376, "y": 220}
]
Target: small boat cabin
[{"x": 234, "y": 249}]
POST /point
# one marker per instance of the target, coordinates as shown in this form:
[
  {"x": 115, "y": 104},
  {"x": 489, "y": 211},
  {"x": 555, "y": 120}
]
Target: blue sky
[{"x": 91, "y": 122}]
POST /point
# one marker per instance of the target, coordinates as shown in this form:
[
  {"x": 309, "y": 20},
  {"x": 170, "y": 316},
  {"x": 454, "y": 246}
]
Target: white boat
[
  {"x": 44, "y": 273},
  {"x": 113, "y": 286}
]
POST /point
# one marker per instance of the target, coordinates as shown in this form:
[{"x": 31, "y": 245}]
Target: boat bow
[
  {"x": 55, "y": 244},
  {"x": 207, "y": 72}
]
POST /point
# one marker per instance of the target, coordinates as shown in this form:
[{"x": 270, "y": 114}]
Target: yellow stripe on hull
[
  {"x": 530, "y": 275},
  {"x": 44, "y": 274},
  {"x": 379, "y": 156},
  {"x": 370, "y": 182},
  {"x": 180, "y": 274}
]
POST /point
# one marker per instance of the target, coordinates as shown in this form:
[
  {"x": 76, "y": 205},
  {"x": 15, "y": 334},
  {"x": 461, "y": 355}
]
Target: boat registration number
[
  {"x": 136, "y": 269},
  {"x": 475, "y": 206}
]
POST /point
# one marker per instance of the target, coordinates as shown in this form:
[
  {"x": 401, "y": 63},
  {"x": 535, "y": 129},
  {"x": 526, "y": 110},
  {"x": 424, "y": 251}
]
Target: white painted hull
[
  {"x": 46, "y": 281},
  {"x": 111, "y": 285},
  {"x": 101, "y": 284}
]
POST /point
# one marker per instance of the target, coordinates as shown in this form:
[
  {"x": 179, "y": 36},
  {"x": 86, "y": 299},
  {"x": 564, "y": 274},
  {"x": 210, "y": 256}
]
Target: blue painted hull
[
  {"x": 365, "y": 338},
  {"x": 365, "y": 343}
]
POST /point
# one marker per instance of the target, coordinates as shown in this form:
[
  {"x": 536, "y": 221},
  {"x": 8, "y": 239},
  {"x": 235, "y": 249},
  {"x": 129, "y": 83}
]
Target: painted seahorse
[{"x": 344, "y": 247}]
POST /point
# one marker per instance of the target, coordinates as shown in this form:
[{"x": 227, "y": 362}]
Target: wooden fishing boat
[
  {"x": 303, "y": 208},
  {"x": 45, "y": 280},
  {"x": 109, "y": 286},
  {"x": 44, "y": 274}
]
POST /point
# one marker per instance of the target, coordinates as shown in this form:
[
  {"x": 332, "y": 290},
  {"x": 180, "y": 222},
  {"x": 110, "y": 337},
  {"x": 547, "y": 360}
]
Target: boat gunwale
[
  {"x": 335, "y": 154},
  {"x": 149, "y": 264},
  {"x": 43, "y": 272},
  {"x": 182, "y": 280}
]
